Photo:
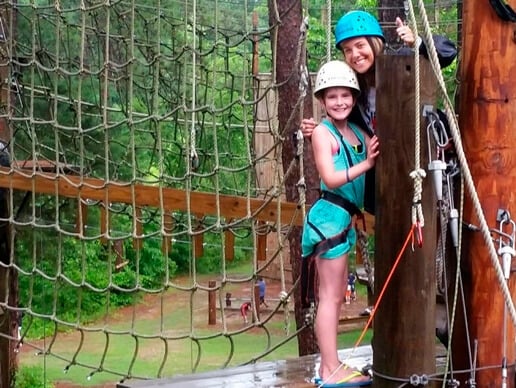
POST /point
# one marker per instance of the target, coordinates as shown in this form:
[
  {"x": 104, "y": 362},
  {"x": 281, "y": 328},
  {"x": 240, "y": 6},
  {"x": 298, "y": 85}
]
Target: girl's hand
[
  {"x": 405, "y": 33},
  {"x": 372, "y": 151},
  {"x": 307, "y": 127}
]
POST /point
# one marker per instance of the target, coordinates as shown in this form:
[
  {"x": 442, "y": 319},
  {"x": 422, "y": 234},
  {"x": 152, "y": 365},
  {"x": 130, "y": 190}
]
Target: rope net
[{"x": 143, "y": 143}]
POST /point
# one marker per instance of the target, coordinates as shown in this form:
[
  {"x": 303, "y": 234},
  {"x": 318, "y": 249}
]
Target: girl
[{"x": 343, "y": 153}]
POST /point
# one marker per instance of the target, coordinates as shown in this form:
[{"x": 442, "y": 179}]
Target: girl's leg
[
  {"x": 332, "y": 280},
  {"x": 333, "y": 275}
]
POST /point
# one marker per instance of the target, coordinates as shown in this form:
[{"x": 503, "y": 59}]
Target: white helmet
[{"x": 335, "y": 73}]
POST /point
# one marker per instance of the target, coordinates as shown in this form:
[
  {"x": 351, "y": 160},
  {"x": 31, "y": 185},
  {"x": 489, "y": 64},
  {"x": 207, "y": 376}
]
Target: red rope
[{"x": 410, "y": 236}]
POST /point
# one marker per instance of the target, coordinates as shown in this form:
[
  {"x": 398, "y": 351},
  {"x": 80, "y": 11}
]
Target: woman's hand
[
  {"x": 307, "y": 127},
  {"x": 405, "y": 33}
]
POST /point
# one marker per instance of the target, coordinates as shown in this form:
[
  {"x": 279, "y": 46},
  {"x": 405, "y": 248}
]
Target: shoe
[{"x": 345, "y": 382}]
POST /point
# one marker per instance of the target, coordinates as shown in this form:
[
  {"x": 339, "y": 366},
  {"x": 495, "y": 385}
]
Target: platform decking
[{"x": 298, "y": 372}]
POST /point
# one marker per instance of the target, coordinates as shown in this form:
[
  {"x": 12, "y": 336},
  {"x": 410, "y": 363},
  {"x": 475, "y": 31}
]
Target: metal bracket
[
  {"x": 427, "y": 108},
  {"x": 502, "y": 215}
]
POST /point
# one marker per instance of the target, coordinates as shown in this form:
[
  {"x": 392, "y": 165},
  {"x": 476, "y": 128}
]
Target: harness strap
[
  {"x": 309, "y": 270},
  {"x": 308, "y": 267},
  {"x": 344, "y": 203}
]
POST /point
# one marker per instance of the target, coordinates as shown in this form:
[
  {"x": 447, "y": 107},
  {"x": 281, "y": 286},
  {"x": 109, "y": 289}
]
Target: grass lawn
[{"x": 167, "y": 343}]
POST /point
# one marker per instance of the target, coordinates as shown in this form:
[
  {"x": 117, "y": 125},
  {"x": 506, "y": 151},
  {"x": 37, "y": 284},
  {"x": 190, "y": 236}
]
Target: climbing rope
[{"x": 418, "y": 174}]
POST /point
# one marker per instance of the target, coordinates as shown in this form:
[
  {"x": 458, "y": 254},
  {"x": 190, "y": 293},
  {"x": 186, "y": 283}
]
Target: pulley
[{"x": 453, "y": 221}]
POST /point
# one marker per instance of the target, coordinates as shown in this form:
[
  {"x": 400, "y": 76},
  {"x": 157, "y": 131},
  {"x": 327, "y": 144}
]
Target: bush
[{"x": 31, "y": 376}]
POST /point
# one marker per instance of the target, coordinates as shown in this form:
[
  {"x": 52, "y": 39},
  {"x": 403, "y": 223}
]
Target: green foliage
[{"x": 30, "y": 376}]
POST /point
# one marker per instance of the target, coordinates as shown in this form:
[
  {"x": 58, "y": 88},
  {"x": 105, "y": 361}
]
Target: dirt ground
[{"x": 149, "y": 308}]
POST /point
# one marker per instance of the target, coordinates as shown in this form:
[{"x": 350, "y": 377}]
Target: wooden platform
[{"x": 298, "y": 372}]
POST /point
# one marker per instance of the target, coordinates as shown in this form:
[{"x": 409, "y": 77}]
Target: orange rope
[{"x": 410, "y": 237}]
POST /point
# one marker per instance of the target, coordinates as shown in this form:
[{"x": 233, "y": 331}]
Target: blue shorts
[{"x": 330, "y": 220}]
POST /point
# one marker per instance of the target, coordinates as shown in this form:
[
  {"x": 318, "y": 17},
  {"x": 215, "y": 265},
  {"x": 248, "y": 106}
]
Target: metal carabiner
[
  {"x": 418, "y": 231},
  {"x": 419, "y": 234}
]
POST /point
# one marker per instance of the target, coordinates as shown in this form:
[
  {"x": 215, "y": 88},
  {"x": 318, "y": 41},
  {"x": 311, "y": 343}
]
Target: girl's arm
[{"x": 322, "y": 141}]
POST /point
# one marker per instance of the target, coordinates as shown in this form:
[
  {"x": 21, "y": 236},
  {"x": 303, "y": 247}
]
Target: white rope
[
  {"x": 418, "y": 174},
  {"x": 328, "y": 31}
]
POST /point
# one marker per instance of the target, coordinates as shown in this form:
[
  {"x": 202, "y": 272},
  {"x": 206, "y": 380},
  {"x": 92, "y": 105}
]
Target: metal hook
[{"x": 437, "y": 166}]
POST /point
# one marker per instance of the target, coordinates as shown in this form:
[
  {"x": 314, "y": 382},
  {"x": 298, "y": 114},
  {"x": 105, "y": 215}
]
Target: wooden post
[
  {"x": 229, "y": 245},
  {"x": 137, "y": 241},
  {"x": 168, "y": 224},
  {"x": 405, "y": 318},
  {"x": 212, "y": 302},
  {"x": 261, "y": 241},
  {"x": 198, "y": 238},
  {"x": 104, "y": 223},
  {"x": 82, "y": 217},
  {"x": 487, "y": 118},
  {"x": 119, "y": 251}
]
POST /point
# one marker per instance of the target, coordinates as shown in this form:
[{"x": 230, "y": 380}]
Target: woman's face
[{"x": 358, "y": 53}]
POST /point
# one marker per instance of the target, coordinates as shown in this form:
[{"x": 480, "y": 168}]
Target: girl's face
[
  {"x": 338, "y": 102},
  {"x": 358, "y": 53}
]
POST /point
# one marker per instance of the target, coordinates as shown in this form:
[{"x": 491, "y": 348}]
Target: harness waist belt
[{"x": 336, "y": 199}]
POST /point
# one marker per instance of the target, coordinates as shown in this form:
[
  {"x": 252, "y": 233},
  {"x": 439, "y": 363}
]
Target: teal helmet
[{"x": 355, "y": 24}]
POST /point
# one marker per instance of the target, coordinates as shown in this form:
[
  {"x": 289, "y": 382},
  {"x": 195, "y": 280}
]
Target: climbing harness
[{"x": 308, "y": 268}]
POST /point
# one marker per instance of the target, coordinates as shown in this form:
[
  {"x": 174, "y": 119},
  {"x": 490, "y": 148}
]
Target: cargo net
[{"x": 142, "y": 168}]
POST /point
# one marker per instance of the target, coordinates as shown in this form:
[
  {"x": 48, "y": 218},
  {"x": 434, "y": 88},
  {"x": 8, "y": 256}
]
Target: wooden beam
[{"x": 146, "y": 195}]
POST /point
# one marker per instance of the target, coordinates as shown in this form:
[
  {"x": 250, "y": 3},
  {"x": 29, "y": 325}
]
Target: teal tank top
[{"x": 353, "y": 191}]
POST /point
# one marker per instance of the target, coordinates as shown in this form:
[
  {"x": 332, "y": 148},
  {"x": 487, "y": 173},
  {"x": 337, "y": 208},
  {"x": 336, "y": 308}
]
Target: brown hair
[{"x": 367, "y": 80}]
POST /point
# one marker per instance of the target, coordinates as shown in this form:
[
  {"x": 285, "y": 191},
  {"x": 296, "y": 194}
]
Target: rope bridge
[{"x": 139, "y": 141}]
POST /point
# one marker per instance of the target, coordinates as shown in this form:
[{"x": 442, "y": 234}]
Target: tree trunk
[
  {"x": 487, "y": 117},
  {"x": 285, "y": 18}
]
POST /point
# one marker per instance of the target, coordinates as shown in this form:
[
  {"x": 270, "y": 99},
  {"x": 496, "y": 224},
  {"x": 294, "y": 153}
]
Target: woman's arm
[{"x": 446, "y": 50}]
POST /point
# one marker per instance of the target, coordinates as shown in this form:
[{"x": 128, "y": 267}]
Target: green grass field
[{"x": 145, "y": 354}]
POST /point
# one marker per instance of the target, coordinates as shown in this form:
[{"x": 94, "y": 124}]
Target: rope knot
[
  {"x": 417, "y": 211},
  {"x": 284, "y": 298},
  {"x": 418, "y": 174}
]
